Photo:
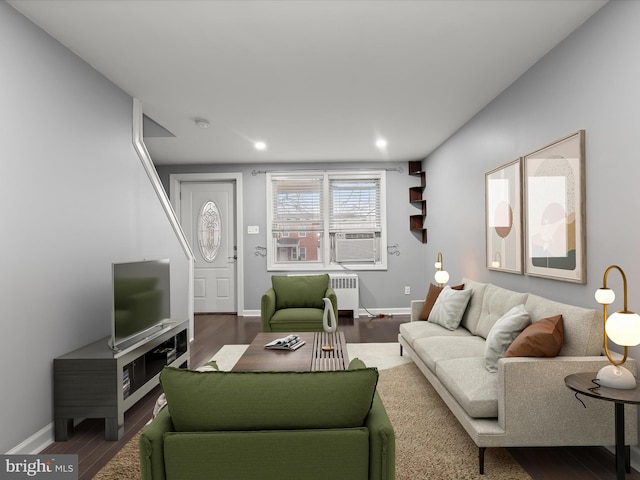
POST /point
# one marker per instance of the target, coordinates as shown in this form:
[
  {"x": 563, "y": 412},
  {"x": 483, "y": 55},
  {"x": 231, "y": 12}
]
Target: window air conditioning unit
[{"x": 355, "y": 247}]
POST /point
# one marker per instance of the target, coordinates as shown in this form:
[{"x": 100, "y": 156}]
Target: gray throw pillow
[
  {"x": 449, "y": 307},
  {"x": 502, "y": 334}
]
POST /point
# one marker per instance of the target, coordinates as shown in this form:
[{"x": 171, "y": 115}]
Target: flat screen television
[{"x": 141, "y": 300}]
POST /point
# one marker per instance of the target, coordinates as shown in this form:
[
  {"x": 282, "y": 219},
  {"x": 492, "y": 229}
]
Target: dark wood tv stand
[{"x": 96, "y": 382}]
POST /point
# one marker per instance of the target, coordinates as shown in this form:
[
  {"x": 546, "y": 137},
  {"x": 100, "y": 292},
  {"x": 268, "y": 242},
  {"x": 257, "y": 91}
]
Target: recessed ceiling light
[
  {"x": 381, "y": 143},
  {"x": 260, "y": 146},
  {"x": 201, "y": 123}
]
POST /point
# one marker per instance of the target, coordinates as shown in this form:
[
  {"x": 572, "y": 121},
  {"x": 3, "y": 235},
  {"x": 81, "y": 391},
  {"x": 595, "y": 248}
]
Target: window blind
[
  {"x": 297, "y": 204},
  {"x": 354, "y": 204}
]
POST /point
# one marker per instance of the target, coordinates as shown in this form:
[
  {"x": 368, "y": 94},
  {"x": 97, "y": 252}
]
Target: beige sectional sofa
[{"x": 526, "y": 402}]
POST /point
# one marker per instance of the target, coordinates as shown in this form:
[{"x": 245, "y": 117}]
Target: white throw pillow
[
  {"x": 502, "y": 334},
  {"x": 449, "y": 307}
]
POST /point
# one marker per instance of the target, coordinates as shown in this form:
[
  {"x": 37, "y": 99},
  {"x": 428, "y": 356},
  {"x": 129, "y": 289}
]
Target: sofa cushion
[
  {"x": 449, "y": 307},
  {"x": 495, "y": 303},
  {"x": 303, "y": 291},
  {"x": 435, "y": 349},
  {"x": 430, "y": 300},
  {"x": 503, "y": 333},
  {"x": 583, "y": 332},
  {"x": 540, "y": 339},
  {"x": 475, "y": 389},
  {"x": 412, "y": 331},
  {"x": 471, "y": 315},
  {"x": 229, "y": 401}
]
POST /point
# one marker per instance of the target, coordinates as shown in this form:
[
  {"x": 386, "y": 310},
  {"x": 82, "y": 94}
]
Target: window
[
  {"x": 354, "y": 204},
  {"x": 320, "y": 221}
]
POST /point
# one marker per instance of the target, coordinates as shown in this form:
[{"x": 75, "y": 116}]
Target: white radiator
[{"x": 347, "y": 291}]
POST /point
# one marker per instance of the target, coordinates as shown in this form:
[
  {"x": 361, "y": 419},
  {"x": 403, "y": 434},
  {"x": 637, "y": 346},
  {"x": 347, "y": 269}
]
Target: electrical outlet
[{"x": 407, "y": 290}]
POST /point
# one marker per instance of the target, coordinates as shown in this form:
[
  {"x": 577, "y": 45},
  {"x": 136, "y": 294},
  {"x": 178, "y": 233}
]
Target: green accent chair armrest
[
  {"x": 151, "y": 445},
  {"x": 382, "y": 442},
  {"x": 267, "y": 309}
]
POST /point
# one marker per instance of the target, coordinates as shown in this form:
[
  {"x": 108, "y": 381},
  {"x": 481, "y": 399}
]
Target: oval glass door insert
[{"x": 209, "y": 230}]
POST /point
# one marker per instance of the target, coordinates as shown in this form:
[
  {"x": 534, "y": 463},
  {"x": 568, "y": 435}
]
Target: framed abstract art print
[
  {"x": 503, "y": 217},
  {"x": 554, "y": 193}
]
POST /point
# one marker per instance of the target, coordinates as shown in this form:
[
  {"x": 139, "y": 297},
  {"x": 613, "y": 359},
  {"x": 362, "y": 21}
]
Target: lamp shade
[
  {"x": 623, "y": 328},
  {"x": 438, "y": 265},
  {"x": 605, "y": 296},
  {"x": 442, "y": 277}
]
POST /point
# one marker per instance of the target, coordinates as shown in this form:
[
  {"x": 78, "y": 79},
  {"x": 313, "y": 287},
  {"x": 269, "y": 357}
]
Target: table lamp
[
  {"x": 441, "y": 275},
  {"x": 623, "y": 328}
]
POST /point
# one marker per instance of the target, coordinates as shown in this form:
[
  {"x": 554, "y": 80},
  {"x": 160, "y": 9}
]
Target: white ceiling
[{"x": 317, "y": 80}]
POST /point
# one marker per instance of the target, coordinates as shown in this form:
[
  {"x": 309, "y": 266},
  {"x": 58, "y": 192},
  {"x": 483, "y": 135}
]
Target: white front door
[{"x": 207, "y": 215}]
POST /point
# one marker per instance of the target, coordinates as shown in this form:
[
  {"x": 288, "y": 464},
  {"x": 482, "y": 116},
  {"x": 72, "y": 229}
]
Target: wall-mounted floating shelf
[{"x": 416, "y": 222}]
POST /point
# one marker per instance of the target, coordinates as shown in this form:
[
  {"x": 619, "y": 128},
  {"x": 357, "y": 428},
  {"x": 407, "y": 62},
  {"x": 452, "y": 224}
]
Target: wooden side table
[{"x": 584, "y": 384}]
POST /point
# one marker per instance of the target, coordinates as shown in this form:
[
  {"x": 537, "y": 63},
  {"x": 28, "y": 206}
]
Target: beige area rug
[
  {"x": 430, "y": 443},
  {"x": 125, "y": 465}
]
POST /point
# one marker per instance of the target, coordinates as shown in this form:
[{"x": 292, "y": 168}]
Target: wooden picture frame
[
  {"x": 555, "y": 217},
  {"x": 503, "y": 218}
]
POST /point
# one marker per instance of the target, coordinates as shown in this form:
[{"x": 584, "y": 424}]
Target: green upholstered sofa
[
  {"x": 294, "y": 303},
  {"x": 269, "y": 426}
]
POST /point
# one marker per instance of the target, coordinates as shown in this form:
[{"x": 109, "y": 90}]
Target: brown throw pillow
[
  {"x": 432, "y": 296},
  {"x": 543, "y": 338}
]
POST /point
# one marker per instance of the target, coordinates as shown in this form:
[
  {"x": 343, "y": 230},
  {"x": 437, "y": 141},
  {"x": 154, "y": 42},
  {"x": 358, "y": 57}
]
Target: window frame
[{"x": 326, "y": 263}]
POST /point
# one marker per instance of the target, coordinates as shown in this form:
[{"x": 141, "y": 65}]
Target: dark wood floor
[{"x": 214, "y": 331}]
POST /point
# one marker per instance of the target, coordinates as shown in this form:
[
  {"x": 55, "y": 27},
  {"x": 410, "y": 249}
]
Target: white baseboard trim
[
  {"x": 375, "y": 311},
  {"x": 35, "y": 443},
  {"x": 39, "y": 440},
  {"x": 385, "y": 312}
]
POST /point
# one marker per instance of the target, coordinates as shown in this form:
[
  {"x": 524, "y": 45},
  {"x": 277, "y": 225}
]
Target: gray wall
[
  {"x": 590, "y": 81},
  {"x": 74, "y": 199},
  {"x": 379, "y": 290}
]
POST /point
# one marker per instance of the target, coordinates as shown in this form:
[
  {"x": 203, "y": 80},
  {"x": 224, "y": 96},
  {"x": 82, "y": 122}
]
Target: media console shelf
[{"x": 96, "y": 382}]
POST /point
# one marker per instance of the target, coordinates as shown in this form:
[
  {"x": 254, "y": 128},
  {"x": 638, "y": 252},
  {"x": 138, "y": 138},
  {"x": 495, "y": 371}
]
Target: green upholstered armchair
[
  {"x": 294, "y": 303},
  {"x": 269, "y": 426}
]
